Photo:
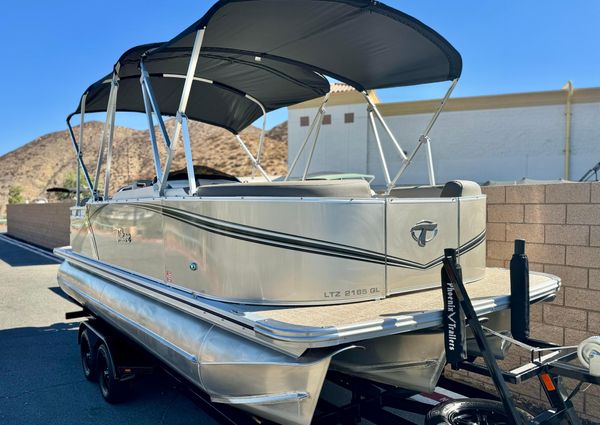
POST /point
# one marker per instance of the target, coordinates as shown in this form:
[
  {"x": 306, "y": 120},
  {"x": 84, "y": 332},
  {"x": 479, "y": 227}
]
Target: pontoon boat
[{"x": 253, "y": 291}]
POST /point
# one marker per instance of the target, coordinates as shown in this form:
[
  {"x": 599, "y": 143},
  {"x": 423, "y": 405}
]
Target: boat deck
[
  {"x": 495, "y": 284},
  {"x": 295, "y": 329}
]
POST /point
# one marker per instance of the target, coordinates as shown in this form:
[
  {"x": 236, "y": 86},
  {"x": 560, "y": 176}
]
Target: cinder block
[
  {"x": 547, "y": 254},
  {"x": 490, "y": 262},
  {"x": 536, "y": 313},
  {"x": 574, "y": 336},
  {"x": 505, "y": 213},
  {"x": 576, "y": 277},
  {"x": 594, "y": 279},
  {"x": 595, "y": 192},
  {"x": 583, "y": 256},
  {"x": 534, "y": 267},
  {"x": 533, "y": 233},
  {"x": 583, "y": 214},
  {"x": 567, "y": 234},
  {"x": 496, "y": 232},
  {"x": 560, "y": 297},
  {"x": 499, "y": 250},
  {"x": 495, "y": 194},
  {"x": 593, "y": 324},
  {"x": 525, "y": 194},
  {"x": 547, "y": 332},
  {"x": 586, "y": 299},
  {"x": 549, "y": 214},
  {"x": 565, "y": 317},
  {"x": 568, "y": 193},
  {"x": 595, "y": 235},
  {"x": 592, "y": 406}
]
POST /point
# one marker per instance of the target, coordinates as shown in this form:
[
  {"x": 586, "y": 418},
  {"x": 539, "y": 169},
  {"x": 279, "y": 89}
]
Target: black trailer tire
[
  {"x": 473, "y": 411},
  {"x": 112, "y": 390},
  {"x": 88, "y": 357}
]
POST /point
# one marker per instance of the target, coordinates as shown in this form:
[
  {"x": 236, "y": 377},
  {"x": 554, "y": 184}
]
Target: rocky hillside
[{"x": 47, "y": 160}]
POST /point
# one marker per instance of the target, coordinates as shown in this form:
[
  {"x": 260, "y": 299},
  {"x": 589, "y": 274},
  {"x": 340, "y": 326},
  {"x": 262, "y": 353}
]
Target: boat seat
[
  {"x": 457, "y": 188},
  {"x": 452, "y": 189},
  {"x": 295, "y": 189},
  {"x": 416, "y": 192}
]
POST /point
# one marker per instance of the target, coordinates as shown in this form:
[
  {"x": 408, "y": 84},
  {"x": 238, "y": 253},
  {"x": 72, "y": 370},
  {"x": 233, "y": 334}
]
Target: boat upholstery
[
  {"x": 416, "y": 192},
  {"x": 452, "y": 189},
  {"x": 300, "y": 189},
  {"x": 456, "y": 188}
]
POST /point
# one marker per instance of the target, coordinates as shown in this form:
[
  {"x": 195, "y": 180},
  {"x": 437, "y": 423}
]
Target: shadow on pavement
[
  {"x": 57, "y": 291},
  {"x": 16, "y": 256},
  {"x": 41, "y": 383}
]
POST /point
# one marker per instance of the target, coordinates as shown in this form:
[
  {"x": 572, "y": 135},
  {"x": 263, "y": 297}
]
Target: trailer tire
[
  {"x": 87, "y": 357},
  {"x": 470, "y": 411},
  {"x": 112, "y": 390}
]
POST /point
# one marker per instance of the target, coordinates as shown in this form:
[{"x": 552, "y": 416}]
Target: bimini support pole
[
  {"x": 423, "y": 140},
  {"x": 374, "y": 109},
  {"x": 386, "y": 172},
  {"x": 262, "y": 133},
  {"x": 185, "y": 96},
  {"x": 153, "y": 142},
  {"x": 187, "y": 147},
  {"x": 318, "y": 118},
  {"x": 110, "y": 121},
  {"x": 105, "y": 130},
  {"x": 254, "y": 161},
  {"x": 81, "y": 127},
  {"x": 77, "y": 147},
  {"x": 314, "y": 144}
]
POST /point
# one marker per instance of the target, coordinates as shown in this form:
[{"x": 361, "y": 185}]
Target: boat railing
[{"x": 153, "y": 113}]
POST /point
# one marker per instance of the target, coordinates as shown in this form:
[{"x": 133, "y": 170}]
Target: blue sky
[{"x": 52, "y": 50}]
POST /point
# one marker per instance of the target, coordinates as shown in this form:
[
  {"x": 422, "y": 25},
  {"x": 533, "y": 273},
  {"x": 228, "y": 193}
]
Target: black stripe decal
[{"x": 296, "y": 243}]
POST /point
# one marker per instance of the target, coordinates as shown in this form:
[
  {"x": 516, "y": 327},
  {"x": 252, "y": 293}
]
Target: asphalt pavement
[{"x": 41, "y": 382}]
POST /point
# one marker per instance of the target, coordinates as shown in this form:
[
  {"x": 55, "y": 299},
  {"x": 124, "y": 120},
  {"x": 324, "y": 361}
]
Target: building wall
[
  {"x": 506, "y": 138},
  {"x": 45, "y": 225},
  {"x": 340, "y": 146},
  {"x": 561, "y": 223}
]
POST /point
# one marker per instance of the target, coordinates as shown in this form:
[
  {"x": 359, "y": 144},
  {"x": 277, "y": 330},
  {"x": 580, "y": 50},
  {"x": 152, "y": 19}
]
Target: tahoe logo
[{"x": 424, "y": 231}]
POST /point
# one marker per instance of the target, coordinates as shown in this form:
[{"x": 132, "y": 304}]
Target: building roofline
[
  {"x": 338, "y": 98},
  {"x": 497, "y": 101}
]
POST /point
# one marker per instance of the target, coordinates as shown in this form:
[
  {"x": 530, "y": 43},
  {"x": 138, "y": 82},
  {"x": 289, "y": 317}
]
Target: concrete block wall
[
  {"x": 45, "y": 225},
  {"x": 561, "y": 224}
]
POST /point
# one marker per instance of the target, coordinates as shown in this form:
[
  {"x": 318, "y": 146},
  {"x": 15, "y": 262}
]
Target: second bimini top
[{"x": 261, "y": 55}]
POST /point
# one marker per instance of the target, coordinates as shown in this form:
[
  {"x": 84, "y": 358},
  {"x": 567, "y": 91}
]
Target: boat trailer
[{"x": 122, "y": 360}]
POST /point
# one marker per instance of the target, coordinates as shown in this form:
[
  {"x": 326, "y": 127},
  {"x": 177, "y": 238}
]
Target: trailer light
[{"x": 547, "y": 381}]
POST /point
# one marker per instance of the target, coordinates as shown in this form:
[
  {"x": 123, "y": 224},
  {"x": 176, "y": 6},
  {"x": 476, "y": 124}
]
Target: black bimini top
[
  {"x": 224, "y": 102},
  {"x": 278, "y": 52}
]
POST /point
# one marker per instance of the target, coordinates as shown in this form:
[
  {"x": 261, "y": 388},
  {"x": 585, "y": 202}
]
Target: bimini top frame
[{"x": 223, "y": 61}]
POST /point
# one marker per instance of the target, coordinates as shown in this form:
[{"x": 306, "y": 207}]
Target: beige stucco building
[{"x": 501, "y": 137}]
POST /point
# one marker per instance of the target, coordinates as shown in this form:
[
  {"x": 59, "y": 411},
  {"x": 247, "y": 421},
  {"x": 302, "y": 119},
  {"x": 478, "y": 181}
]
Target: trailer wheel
[
  {"x": 87, "y": 357},
  {"x": 112, "y": 390},
  {"x": 474, "y": 411}
]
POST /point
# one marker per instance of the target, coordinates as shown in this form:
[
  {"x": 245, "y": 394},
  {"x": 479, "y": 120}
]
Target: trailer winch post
[{"x": 519, "y": 293}]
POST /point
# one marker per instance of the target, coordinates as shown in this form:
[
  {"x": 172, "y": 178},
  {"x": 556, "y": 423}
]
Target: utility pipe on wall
[{"x": 567, "y": 168}]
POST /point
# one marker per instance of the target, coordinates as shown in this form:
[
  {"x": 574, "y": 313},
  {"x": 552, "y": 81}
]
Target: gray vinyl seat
[
  {"x": 457, "y": 188},
  {"x": 295, "y": 189},
  {"x": 452, "y": 189}
]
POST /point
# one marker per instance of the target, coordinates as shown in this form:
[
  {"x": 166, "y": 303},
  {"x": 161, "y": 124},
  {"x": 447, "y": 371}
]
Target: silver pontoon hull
[{"x": 237, "y": 365}]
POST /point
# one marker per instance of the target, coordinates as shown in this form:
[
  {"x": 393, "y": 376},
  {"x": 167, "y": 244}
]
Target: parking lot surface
[{"x": 41, "y": 381}]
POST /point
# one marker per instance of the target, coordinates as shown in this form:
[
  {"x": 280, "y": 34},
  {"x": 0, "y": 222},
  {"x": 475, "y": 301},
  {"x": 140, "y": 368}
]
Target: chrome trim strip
[{"x": 261, "y": 399}]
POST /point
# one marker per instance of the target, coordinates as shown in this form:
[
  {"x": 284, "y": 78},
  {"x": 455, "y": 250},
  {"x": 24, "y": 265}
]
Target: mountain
[{"x": 46, "y": 161}]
